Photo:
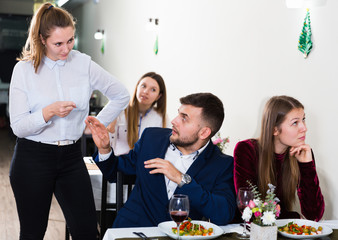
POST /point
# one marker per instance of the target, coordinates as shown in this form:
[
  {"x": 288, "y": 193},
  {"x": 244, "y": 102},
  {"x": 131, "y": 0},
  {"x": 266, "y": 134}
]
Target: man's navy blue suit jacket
[{"x": 211, "y": 191}]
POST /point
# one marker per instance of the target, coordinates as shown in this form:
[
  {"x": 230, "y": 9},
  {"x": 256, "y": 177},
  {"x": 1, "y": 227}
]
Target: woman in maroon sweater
[{"x": 280, "y": 156}]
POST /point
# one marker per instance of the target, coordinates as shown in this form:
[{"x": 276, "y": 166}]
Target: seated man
[{"x": 181, "y": 160}]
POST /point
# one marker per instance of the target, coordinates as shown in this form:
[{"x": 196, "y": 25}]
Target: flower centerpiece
[
  {"x": 262, "y": 213},
  {"x": 222, "y": 143}
]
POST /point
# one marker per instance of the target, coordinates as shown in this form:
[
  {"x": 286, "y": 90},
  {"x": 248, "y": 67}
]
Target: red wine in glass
[
  {"x": 179, "y": 210},
  {"x": 178, "y": 216}
]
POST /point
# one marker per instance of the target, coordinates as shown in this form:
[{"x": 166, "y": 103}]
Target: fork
[{"x": 141, "y": 235}]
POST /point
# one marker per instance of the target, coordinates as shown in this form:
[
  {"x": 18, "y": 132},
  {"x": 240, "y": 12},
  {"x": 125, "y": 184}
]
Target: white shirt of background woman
[{"x": 118, "y": 139}]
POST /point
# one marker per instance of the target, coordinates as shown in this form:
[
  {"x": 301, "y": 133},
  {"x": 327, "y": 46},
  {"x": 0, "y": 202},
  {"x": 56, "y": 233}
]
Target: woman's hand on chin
[{"x": 302, "y": 153}]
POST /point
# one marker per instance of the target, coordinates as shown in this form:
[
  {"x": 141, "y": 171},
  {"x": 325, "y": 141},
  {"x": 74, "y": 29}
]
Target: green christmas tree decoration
[
  {"x": 156, "y": 46},
  {"x": 305, "y": 43},
  {"x": 102, "y": 46}
]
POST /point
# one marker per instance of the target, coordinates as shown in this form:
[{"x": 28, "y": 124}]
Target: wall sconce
[
  {"x": 98, "y": 35},
  {"x": 305, "y": 3},
  {"x": 152, "y": 24}
]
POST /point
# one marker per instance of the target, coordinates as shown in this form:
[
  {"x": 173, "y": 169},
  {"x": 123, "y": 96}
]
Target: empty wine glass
[
  {"x": 179, "y": 210},
  {"x": 244, "y": 195}
]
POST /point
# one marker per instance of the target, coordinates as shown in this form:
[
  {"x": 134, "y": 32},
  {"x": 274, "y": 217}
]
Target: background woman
[
  {"x": 280, "y": 156},
  {"x": 49, "y": 101},
  {"x": 147, "y": 108}
]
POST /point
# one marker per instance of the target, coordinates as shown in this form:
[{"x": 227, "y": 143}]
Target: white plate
[
  {"x": 166, "y": 227},
  {"x": 325, "y": 232}
]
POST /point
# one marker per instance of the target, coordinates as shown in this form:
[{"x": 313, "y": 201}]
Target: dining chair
[{"x": 121, "y": 181}]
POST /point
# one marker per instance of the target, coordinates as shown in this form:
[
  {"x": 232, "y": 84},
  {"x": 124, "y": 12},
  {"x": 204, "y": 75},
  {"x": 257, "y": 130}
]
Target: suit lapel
[
  {"x": 158, "y": 180},
  {"x": 200, "y": 162},
  {"x": 164, "y": 147}
]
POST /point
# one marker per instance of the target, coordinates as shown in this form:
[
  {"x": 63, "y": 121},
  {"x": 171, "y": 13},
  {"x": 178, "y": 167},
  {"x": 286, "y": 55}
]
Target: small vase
[{"x": 263, "y": 232}]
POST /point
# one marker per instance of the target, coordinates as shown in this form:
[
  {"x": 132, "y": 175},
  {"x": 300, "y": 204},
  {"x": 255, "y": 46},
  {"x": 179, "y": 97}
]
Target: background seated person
[
  {"x": 281, "y": 157},
  {"x": 147, "y": 108},
  {"x": 163, "y": 157}
]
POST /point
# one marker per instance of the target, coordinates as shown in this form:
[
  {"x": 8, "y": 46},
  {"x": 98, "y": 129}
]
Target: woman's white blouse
[
  {"x": 118, "y": 139},
  {"x": 73, "y": 79}
]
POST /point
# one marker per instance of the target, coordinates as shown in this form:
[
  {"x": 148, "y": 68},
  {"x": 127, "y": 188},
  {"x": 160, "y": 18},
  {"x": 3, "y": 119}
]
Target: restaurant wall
[
  {"x": 18, "y": 7},
  {"x": 243, "y": 51}
]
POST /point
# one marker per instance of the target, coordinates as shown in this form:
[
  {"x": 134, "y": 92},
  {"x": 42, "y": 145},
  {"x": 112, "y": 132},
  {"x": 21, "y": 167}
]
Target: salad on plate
[
  {"x": 191, "y": 230},
  {"x": 302, "y": 229}
]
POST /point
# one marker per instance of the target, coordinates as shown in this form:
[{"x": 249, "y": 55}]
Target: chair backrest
[{"x": 121, "y": 181}]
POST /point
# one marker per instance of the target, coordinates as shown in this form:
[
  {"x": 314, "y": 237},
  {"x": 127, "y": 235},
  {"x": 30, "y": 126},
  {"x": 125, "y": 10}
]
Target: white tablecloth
[{"x": 113, "y": 233}]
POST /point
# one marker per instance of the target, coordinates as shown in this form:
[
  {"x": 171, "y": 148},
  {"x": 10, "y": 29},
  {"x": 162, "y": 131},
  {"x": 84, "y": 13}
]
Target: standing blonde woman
[
  {"x": 49, "y": 100},
  {"x": 147, "y": 108},
  {"x": 280, "y": 156}
]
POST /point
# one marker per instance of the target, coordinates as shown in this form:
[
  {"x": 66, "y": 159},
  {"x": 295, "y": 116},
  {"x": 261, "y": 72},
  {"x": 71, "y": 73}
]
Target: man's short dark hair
[{"x": 212, "y": 109}]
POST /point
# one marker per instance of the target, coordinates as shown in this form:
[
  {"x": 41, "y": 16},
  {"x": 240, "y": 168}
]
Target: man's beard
[{"x": 187, "y": 142}]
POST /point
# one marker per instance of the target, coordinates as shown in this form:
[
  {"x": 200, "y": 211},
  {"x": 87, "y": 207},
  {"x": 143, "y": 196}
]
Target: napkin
[{"x": 230, "y": 228}]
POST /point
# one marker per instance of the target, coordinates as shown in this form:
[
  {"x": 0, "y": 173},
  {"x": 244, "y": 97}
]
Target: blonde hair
[
  {"x": 274, "y": 114},
  {"x": 132, "y": 111},
  {"x": 45, "y": 19}
]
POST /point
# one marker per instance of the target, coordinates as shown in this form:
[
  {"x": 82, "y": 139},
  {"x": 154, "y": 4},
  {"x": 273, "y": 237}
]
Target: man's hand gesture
[{"x": 99, "y": 134}]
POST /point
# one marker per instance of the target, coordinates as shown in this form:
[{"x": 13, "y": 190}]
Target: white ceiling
[{"x": 26, "y": 6}]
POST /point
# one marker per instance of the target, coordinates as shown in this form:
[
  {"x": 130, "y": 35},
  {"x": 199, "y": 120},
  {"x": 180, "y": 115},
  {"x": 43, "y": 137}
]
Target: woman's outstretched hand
[
  {"x": 99, "y": 134},
  {"x": 302, "y": 153}
]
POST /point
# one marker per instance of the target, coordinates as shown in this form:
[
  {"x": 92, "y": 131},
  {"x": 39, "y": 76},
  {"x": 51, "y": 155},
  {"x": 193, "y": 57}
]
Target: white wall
[{"x": 243, "y": 51}]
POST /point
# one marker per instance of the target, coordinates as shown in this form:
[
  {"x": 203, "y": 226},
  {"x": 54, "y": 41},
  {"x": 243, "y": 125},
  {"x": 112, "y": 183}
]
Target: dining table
[{"x": 230, "y": 232}]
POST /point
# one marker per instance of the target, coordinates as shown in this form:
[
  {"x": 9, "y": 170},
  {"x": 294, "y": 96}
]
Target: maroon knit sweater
[{"x": 309, "y": 193}]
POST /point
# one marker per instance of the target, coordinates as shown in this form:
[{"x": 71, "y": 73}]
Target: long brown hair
[
  {"x": 44, "y": 20},
  {"x": 274, "y": 114},
  {"x": 132, "y": 111}
]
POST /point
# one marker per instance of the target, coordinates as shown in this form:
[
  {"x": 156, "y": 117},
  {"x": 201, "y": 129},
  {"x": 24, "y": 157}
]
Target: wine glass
[
  {"x": 244, "y": 195},
  {"x": 179, "y": 210}
]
